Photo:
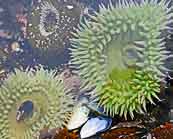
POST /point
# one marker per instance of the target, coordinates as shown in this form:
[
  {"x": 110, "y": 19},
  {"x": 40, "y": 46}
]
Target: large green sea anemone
[
  {"x": 52, "y": 104},
  {"x": 121, "y": 53}
]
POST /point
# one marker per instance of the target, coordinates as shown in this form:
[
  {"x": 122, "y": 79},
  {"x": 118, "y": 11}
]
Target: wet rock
[
  {"x": 71, "y": 81},
  {"x": 65, "y": 134},
  {"x": 47, "y": 134},
  {"x": 163, "y": 132}
]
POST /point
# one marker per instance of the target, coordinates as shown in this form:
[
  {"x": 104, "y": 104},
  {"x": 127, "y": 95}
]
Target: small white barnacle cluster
[
  {"x": 49, "y": 19},
  {"x": 43, "y": 25},
  {"x": 51, "y": 23}
]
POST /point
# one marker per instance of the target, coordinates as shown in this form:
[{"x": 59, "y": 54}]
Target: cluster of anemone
[
  {"x": 51, "y": 22},
  {"x": 121, "y": 53},
  {"x": 52, "y": 103}
]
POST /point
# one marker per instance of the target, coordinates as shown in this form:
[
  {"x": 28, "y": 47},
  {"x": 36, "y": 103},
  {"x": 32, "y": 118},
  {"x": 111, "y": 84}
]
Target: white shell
[
  {"x": 79, "y": 117},
  {"x": 92, "y": 127},
  {"x": 70, "y": 7}
]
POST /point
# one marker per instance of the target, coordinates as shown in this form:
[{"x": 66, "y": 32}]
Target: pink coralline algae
[{"x": 22, "y": 19}]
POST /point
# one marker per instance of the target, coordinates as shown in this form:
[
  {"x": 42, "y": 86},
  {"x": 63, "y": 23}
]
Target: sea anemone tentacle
[
  {"x": 52, "y": 103},
  {"x": 121, "y": 54}
]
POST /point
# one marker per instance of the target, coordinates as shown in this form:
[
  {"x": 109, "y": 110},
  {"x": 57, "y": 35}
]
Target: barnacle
[
  {"x": 121, "y": 53},
  {"x": 51, "y": 22},
  {"x": 52, "y": 104}
]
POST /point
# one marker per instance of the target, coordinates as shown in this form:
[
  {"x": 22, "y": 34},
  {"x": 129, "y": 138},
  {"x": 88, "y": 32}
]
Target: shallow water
[{"x": 54, "y": 65}]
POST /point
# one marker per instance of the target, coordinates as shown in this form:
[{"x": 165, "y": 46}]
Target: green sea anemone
[
  {"x": 121, "y": 53},
  {"x": 51, "y": 22},
  {"x": 52, "y": 104}
]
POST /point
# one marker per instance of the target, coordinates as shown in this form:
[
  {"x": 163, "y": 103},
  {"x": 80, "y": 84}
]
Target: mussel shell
[
  {"x": 89, "y": 103},
  {"x": 79, "y": 117},
  {"x": 94, "y": 126},
  {"x": 94, "y": 108}
]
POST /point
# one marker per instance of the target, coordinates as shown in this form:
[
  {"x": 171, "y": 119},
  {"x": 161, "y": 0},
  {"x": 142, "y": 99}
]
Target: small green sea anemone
[
  {"x": 121, "y": 53},
  {"x": 52, "y": 104},
  {"x": 51, "y": 22}
]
